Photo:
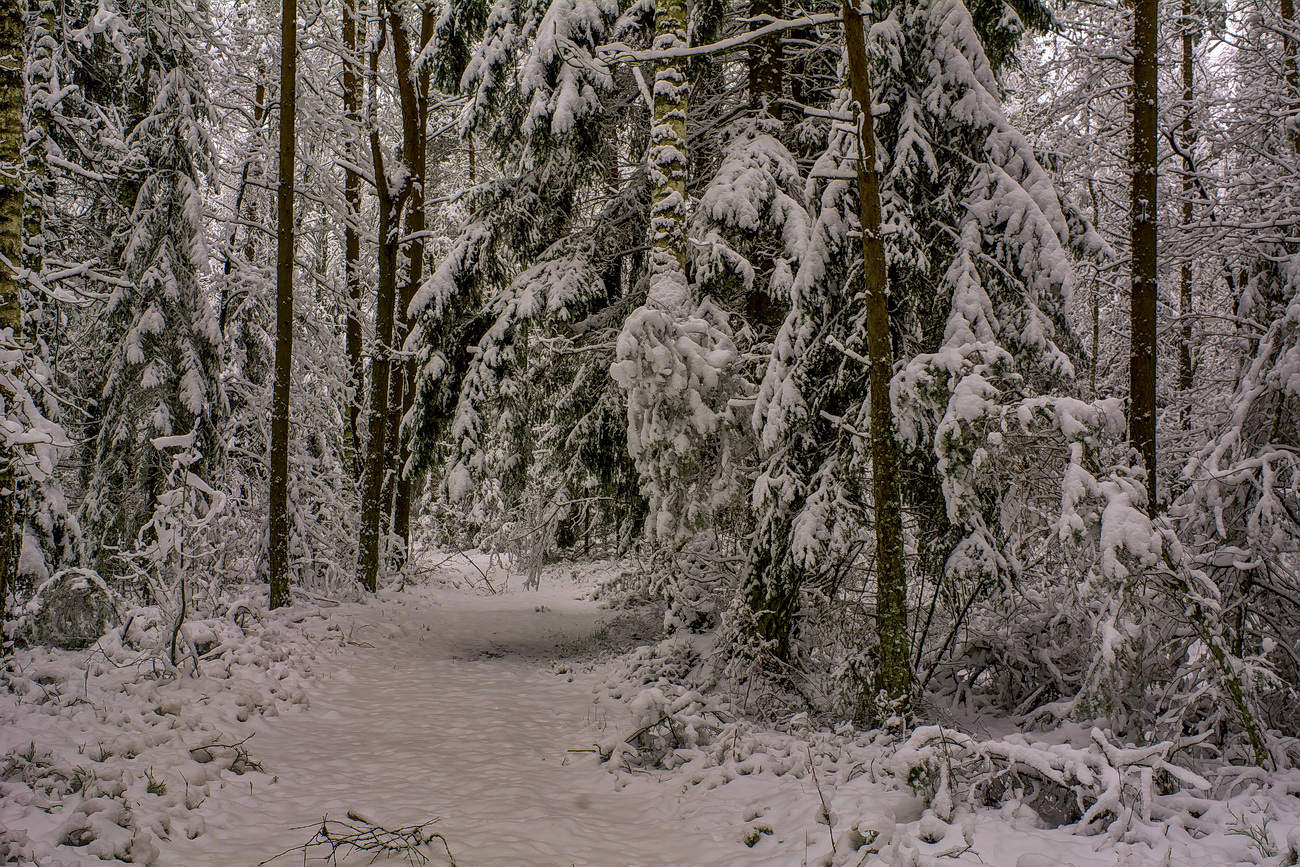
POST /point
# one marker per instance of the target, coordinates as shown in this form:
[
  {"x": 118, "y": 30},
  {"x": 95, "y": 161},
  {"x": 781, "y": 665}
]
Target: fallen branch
[{"x": 410, "y": 842}]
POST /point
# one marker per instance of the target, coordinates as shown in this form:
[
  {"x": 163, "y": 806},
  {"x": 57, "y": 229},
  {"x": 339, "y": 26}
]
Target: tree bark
[
  {"x": 766, "y": 78},
  {"x": 668, "y": 290},
  {"x": 894, "y": 678},
  {"x": 372, "y": 494},
  {"x": 1096, "y": 299},
  {"x": 1142, "y": 339},
  {"x": 11, "y": 247},
  {"x": 352, "y": 240},
  {"x": 381, "y": 357},
  {"x": 1291, "y": 67},
  {"x": 416, "y": 225},
  {"x": 279, "y": 495},
  {"x": 1189, "y": 210},
  {"x": 413, "y": 94},
  {"x": 241, "y": 207}
]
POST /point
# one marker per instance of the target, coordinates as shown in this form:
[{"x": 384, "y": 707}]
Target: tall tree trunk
[
  {"x": 895, "y": 676},
  {"x": 372, "y": 493},
  {"x": 766, "y": 90},
  {"x": 668, "y": 290},
  {"x": 381, "y": 357},
  {"x": 1189, "y": 212},
  {"x": 414, "y": 99},
  {"x": 1096, "y": 299},
  {"x": 1142, "y": 340},
  {"x": 352, "y": 239},
  {"x": 243, "y": 206},
  {"x": 279, "y": 497},
  {"x": 11, "y": 247},
  {"x": 1291, "y": 67}
]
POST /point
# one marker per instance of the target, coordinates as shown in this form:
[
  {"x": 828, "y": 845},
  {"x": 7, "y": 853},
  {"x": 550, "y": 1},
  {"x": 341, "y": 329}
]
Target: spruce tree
[
  {"x": 161, "y": 369},
  {"x": 979, "y": 247}
]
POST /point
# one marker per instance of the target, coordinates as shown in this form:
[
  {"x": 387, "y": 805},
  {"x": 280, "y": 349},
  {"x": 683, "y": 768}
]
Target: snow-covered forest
[{"x": 650, "y": 432}]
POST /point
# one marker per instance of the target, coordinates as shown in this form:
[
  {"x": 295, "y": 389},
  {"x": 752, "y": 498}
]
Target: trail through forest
[{"x": 449, "y": 705}]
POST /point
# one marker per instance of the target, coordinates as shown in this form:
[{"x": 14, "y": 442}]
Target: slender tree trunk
[
  {"x": 279, "y": 497},
  {"x": 11, "y": 248},
  {"x": 766, "y": 73},
  {"x": 1291, "y": 67},
  {"x": 372, "y": 494},
  {"x": 414, "y": 98},
  {"x": 243, "y": 205},
  {"x": 1142, "y": 340},
  {"x": 1189, "y": 211},
  {"x": 352, "y": 239},
  {"x": 381, "y": 358},
  {"x": 895, "y": 675},
  {"x": 1096, "y": 299},
  {"x": 766, "y": 90}
]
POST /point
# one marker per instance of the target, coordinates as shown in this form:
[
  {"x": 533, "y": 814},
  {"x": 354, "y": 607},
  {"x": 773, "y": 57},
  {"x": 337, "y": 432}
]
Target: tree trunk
[
  {"x": 1096, "y": 299},
  {"x": 414, "y": 98},
  {"x": 894, "y": 678},
  {"x": 247, "y": 210},
  {"x": 667, "y": 267},
  {"x": 381, "y": 358},
  {"x": 352, "y": 240},
  {"x": 1142, "y": 340},
  {"x": 372, "y": 494},
  {"x": 766, "y": 79},
  {"x": 1189, "y": 212},
  {"x": 279, "y": 499},
  {"x": 1292, "y": 69},
  {"x": 11, "y": 247}
]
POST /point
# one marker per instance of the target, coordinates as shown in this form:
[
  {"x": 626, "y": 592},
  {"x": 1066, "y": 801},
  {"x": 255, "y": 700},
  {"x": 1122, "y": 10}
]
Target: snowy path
[{"x": 455, "y": 712}]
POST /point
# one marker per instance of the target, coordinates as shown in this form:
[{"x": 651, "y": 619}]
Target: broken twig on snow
[{"x": 340, "y": 838}]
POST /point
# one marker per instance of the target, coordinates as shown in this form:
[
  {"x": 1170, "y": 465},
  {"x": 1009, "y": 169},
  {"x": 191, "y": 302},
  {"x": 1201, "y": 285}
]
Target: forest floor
[
  {"x": 451, "y": 707},
  {"x": 480, "y": 710}
]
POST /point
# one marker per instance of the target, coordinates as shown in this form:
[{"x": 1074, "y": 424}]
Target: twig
[
  {"x": 363, "y": 835},
  {"x": 826, "y": 809}
]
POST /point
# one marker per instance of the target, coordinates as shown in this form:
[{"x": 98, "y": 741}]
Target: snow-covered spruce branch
[{"x": 618, "y": 52}]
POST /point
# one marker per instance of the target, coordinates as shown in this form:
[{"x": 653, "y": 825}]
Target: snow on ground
[
  {"x": 443, "y": 700},
  {"x": 106, "y": 754},
  {"x": 461, "y": 710}
]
